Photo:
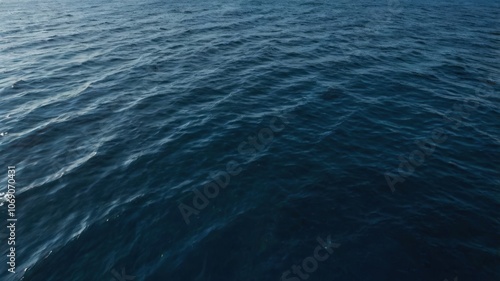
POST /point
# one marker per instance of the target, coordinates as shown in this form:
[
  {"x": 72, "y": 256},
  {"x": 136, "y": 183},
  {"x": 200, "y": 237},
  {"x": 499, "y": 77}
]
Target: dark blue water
[{"x": 251, "y": 140}]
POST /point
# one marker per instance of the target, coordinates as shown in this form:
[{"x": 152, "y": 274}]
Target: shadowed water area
[{"x": 373, "y": 125}]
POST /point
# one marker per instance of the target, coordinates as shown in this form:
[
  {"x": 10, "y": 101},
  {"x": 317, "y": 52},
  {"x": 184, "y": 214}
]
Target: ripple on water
[{"x": 114, "y": 113}]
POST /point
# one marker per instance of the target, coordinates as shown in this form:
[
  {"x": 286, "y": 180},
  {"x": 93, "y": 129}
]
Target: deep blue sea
[{"x": 250, "y": 140}]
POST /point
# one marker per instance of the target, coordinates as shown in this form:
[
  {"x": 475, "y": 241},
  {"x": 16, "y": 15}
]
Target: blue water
[{"x": 118, "y": 114}]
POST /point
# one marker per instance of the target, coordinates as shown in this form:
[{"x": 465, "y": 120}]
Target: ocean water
[{"x": 251, "y": 140}]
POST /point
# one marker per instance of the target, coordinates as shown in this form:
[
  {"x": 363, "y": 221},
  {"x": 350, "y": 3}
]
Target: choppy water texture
[{"x": 113, "y": 111}]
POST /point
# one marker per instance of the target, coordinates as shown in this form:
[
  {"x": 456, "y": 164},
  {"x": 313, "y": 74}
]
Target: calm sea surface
[{"x": 251, "y": 140}]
